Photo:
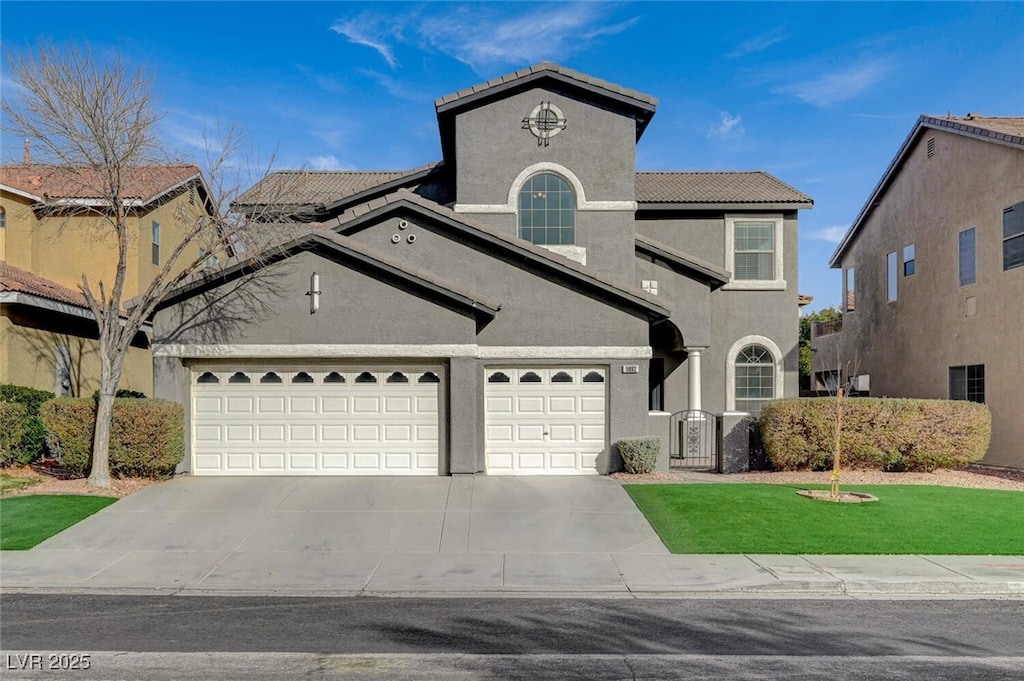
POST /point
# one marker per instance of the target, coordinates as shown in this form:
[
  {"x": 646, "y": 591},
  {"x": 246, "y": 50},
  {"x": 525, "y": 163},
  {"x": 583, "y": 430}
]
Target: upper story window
[
  {"x": 967, "y": 257},
  {"x": 753, "y": 252},
  {"x": 849, "y": 290},
  {"x": 547, "y": 211},
  {"x": 909, "y": 260},
  {"x": 1013, "y": 236},
  {"x": 156, "y": 242},
  {"x": 890, "y": 276},
  {"x": 3, "y": 217}
]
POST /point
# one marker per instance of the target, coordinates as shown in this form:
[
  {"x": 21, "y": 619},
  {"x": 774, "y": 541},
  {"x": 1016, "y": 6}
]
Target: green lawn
[
  {"x": 26, "y": 521},
  {"x": 710, "y": 518},
  {"x": 9, "y": 483}
]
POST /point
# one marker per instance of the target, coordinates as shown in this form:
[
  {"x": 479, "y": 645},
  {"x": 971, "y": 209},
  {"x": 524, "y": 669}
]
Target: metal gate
[{"x": 693, "y": 438}]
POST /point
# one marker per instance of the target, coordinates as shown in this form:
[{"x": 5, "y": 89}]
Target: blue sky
[{"x": 819, "y": 94}]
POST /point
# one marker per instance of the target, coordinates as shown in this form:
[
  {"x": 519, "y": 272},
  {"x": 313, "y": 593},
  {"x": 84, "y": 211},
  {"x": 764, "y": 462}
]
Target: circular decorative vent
[{"x": 545, "y": 121}]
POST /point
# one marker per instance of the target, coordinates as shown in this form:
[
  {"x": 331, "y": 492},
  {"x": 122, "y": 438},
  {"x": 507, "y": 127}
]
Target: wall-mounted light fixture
[{"x": 314, "y": 293}]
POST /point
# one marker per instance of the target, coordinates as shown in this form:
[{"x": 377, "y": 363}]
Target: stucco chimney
[{"x": 28, "y": 153}]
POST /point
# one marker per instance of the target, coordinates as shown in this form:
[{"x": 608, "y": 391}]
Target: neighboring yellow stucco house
[{"x": 52, "y": 231}]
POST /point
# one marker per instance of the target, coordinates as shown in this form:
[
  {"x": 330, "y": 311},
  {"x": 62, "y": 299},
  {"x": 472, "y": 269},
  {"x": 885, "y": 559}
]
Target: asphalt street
[{"x": 155, "y": 637}]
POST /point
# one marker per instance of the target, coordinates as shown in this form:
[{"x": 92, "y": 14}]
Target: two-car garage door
[{"x": 316, "y": 421}]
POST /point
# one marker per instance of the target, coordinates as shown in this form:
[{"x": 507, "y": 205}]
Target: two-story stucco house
[
  {"x": 515, "y": 308},
  {"x": 53, "y": 230},
  {"x": 933, "y": 276}
]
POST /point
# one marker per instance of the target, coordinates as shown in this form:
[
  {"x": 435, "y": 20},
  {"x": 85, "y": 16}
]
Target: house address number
[{"x": 631, "y": 368}]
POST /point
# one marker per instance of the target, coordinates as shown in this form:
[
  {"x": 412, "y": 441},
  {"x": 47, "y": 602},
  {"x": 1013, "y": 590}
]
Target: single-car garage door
[
  {"x": 315, "y": 421},
  {"x": 544, "y": 420}
]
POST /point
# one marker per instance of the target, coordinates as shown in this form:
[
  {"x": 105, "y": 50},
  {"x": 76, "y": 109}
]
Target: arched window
[
  {"x": 547, "y": 211},
  {"x": 755, "y": 378}
]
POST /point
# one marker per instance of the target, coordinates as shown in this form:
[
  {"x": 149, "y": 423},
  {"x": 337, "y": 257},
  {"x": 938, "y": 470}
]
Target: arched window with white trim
[
  {"x": 753, "y": 374},
  {"x": 547, "y": 211}
]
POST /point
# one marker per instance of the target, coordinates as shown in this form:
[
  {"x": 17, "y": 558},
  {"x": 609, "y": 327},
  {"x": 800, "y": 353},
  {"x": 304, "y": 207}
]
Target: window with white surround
[
  {"x": 753, "y": 374},
  {"x": 909, "y": 261},
  {"x": 891, "y": 267},
  {"x": 156, "y": 243},
  {"x": 967, "y": 257},
  {"x": 547, "y": 211},
  {"x": 1013, "y": 236},
  {"x": 753, "y": 252},
  {"x": 849, "y": 290}
]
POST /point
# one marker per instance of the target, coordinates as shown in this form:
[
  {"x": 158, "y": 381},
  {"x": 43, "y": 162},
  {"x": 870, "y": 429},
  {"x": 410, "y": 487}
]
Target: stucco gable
[
  {"x": 712, "y": 276},
  {"x": 349, "y": 253},
  {"x": 482, "y": 237}
]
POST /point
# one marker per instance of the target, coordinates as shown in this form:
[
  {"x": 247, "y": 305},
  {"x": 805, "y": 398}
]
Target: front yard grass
[
  {"x": 907, "y": 519},
  {"x": 26, "y": 521},
  {"x": 9, "y": 483}
]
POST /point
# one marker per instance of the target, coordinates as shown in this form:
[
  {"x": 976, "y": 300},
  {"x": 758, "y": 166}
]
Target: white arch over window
[
  {"x": 511, "y": 204},
  {"x": 730, "y": 366}
]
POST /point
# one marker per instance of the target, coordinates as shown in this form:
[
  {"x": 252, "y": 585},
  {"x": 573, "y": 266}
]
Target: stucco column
[{"x": 693, "y": 376}]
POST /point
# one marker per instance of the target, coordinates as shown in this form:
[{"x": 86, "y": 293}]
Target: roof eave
[{"x": 723, "y": 205}]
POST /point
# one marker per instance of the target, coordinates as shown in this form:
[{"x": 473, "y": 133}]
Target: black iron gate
[{"x": 693, "y": 439}]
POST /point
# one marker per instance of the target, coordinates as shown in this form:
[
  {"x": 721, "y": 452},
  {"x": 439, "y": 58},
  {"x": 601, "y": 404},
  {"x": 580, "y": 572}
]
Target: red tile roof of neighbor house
[
  {"x": 16, "y": 280},
  {"x": 1008, "y": 129},
  {"x": 320, "y": 187},
  {"x": 43, "y": 182}
]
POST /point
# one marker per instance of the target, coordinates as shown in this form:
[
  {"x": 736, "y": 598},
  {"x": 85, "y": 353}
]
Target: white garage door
[
  {"x": 544, "y": 421},
  {"x": 325, "y": 421}
]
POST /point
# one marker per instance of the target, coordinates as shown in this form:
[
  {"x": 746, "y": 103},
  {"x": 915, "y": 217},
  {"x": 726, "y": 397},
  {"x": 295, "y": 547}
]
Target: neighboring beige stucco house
[
  {"x": 52, "y": 231},
  {"x": 933, "y": 276}
]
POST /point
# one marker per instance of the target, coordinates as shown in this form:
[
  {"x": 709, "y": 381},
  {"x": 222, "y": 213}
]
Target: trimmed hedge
[
  {"x": 147, "y": 437},
  {"x": 640, "y": 454},
  {"x": 12, "y": 429},
  {"x": 877, "y": 434},
  {"x": 33, "y": 438}
]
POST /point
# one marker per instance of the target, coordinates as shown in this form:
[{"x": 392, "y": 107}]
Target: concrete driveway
[{"x": 306, "y": 535}]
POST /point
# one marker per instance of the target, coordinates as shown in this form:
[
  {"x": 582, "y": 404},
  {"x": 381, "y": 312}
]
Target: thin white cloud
[
  {"x": 483, "y": 36},
  {"x": 329, "y": 162},
  {"x": 395, "y": 87},
  {"x": 759, "y": 43},
  {"x": 831, "y": 234},
  {"x": 369, "y": 31},
  {"x": 728, "y": 129},
  {"x": 839, "y": 85}
]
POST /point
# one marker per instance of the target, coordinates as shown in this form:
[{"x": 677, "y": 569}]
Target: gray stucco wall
[
  {"x": 907, "y": 346},
  {"x": 598, "y": 146},
  {"x": 732, "y": 314}
]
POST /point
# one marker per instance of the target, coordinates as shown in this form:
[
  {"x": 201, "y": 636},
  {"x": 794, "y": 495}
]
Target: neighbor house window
[
  {"x": 1013, "y": 236},
  {"x": 755, "y": 378},
  {"x": 967, "y": 257},
  {"x": 890, "y": 276},
  {"x": 156, "y": 242},
  {"x": 3, "y": 218},
  {"x": 753, "y": 252},
  {"x": 547, "y": 211},
  {"x": 909, "y": 263},
  {"x": 967, "y": 383},
  {"x": 849, "y": 290}
]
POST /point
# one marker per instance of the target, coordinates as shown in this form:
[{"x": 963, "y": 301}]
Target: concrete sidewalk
[{"x": 442, "y": 536}]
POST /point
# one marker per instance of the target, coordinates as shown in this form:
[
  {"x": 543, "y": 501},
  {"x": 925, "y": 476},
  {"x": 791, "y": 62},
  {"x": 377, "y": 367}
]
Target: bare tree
[{"x": 98, "y": 121}]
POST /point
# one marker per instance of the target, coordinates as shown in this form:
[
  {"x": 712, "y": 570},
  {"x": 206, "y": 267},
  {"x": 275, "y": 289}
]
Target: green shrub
[
  {"x": 122, "y": 392},
  {"x": 33, "y": 439},
  {"x": 146, "y": 436},
  {"x": 12, "y": 429},
  {"x": 640, "y": 454},
  {"x": 877, "y": 433}
]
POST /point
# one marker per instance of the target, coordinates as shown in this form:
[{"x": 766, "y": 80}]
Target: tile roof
[
  {"x": 320, "y": 187},
  {"x": 143, "y": 184},
  {"x": 716, "y": 187},
  {"x": 16, "y": 280},
  {"x": 547, "y": 67},
  {"x": 1008, "y": 129}
]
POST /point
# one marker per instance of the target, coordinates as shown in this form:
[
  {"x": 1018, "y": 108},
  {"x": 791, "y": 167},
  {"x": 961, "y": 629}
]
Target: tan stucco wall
[
  {"x": 27, "y": 351},
  {"x": 908, "y": 346}
]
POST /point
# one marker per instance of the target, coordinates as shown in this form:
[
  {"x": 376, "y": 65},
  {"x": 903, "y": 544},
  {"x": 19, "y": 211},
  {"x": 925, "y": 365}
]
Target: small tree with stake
[{"x": 98, "y": 122}]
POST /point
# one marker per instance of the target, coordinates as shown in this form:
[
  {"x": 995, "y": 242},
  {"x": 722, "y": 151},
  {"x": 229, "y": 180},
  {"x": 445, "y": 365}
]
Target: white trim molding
[
  {"x": 730, "y": 367},
  {"x": 317, "y": 350},
  {"x": 777, "y": 282},
  {"x": 512, "y": 203}
]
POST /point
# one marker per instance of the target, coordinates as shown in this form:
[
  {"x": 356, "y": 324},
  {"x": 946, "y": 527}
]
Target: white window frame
[
  {"x": 155, "y": 246},
  {"x": 730, "y": 367},
  {"x": 777, "y": 282}
]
